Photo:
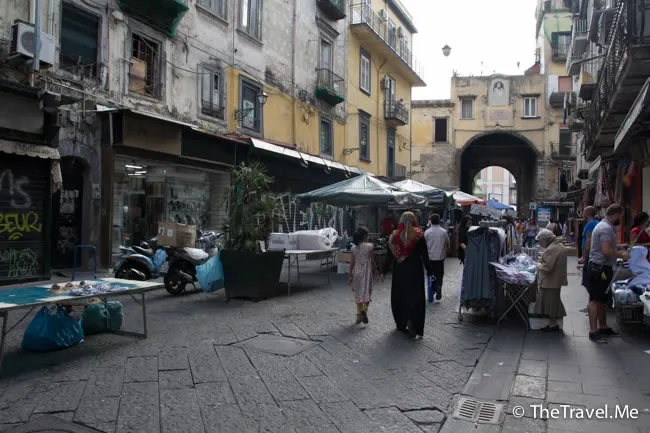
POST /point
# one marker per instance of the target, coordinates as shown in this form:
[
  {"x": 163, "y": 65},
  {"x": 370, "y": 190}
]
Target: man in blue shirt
[{"x": 590, "y": 217}]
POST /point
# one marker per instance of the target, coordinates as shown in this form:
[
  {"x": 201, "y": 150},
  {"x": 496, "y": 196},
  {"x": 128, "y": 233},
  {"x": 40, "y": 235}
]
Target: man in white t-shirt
[{"x": 437, "y": 246}]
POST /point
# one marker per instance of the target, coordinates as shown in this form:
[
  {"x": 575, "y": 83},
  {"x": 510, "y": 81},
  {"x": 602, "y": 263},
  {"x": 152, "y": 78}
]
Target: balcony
[
  {"x": 556, "y": 99},
  {"x": 600, "y": 16},
  {"x": 164, "y": 15},
  {"x": 588, "y": 78},
  {"x": 625, "y": 67},
  {"x": 560, "y": 51},
  {"x": 374, "y": 34},
  {"x": 579, "y": 37},
  {"x": 332, "y": 9},
  {"x": 576, "y": 123},
  {"x": 395, "y": 113},
  {"x": 563, "y": 151},
  {"x": 329, "y": 87}
]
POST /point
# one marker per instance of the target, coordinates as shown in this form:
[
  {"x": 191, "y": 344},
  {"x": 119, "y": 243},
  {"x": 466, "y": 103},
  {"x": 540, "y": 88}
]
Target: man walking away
[
  {"x": 437, "y": 245},
  {"x": 602, "y": 258},
  {"x": 591, "y": 222}
]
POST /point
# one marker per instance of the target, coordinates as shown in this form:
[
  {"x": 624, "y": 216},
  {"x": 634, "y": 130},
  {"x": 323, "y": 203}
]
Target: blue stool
[{"x": 76, "y": 257}]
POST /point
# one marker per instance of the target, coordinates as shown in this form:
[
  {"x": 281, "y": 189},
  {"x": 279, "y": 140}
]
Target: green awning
[{"x": 161, "y": 14}]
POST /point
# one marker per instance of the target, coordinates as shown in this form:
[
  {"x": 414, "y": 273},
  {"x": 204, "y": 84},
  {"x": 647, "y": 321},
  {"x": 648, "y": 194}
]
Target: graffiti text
[
  {"x": 20, "y": 262},
  {"x": 17, "y": 224},
  {"x": 18, "y": 198}
]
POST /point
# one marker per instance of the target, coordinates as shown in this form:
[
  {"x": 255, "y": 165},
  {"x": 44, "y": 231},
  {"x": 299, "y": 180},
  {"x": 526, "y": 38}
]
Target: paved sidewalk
[
  {"x": 193, "y": 373},
  {"x": 528, "y": 369}
]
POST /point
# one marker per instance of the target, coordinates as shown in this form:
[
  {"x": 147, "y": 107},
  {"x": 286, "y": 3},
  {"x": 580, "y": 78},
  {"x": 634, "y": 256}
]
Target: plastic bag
[
  {"x": 210, "y": 274},
  {"x": 52, "y": 329},
  {"x": 94, "y": 317}
]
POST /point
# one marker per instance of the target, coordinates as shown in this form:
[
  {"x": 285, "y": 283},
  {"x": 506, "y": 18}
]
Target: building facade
[{"x": 162, "y": 101}]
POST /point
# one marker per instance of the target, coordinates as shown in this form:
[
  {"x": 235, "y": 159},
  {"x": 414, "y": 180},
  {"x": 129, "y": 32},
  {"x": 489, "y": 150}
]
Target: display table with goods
[
  {"x": 53, "y": 327},
  {"x": 517, "y": 276},
  {"x": 632, "y": 295}
]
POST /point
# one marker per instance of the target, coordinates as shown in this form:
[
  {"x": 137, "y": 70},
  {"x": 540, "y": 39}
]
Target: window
[
  {"x": 216, "y": 6},
  {"x": 364, "y": 73},
  {"x": 466, "y": 108},
  {"x": 251, "y": 17},
  {"x": 390, "y": 162},
  {"x": 79, "y": 41},
  {"x": 391, "y": 89},
  {"x": 404, "y": 48},
  {"x": 325, "y": 54},
  {"x": 250, "y": 106},
  {"x": 440, "y": 131},
  {"x": 144, "y": 71},
  {"x": 211, "y": 88},
  {"x": 530, "y": 107},
  {"x": 364, "y": 136},
  {"x": 566, "y": 142},
  {"x": 392, "y": 34},
  {"x": 326, "y": 145}
]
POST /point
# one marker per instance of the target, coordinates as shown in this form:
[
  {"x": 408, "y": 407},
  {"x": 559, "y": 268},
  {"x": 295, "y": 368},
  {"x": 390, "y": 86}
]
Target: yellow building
[{"x": 381, "y": 72}]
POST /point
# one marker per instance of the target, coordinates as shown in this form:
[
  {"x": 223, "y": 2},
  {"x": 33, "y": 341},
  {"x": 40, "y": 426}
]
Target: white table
[
  {"x": 294, "y": 256},
  {"x": 31, "y": 297}
]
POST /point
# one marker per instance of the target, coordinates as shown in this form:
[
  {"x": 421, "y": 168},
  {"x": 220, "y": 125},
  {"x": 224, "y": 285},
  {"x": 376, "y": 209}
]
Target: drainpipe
[
  {"x": 37, "y": 41},
  {"x": 293, "y": 73}
]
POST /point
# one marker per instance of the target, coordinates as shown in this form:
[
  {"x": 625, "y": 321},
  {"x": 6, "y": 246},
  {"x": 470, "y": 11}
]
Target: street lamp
[
  {"x": 446, "y": 50},
  {"x": 261, "y": 98}
]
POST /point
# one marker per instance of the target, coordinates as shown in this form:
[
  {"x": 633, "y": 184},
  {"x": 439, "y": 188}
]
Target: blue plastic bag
[
  {"x": 210, "y": 274},
  {"x": 430, "y": 280},
  {"x": 52, "y": 329}
]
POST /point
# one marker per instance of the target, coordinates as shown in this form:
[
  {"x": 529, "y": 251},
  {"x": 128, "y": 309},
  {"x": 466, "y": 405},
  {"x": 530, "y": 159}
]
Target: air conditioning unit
[
  {"x": 23, "y": 43},
  {"x": 383, "y": 15}
]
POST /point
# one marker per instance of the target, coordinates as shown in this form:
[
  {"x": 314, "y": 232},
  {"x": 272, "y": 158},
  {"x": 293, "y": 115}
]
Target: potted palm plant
[{"x": 250, "y": 271}]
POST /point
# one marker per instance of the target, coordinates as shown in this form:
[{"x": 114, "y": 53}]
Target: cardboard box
[{"x": 176, "y": 235}]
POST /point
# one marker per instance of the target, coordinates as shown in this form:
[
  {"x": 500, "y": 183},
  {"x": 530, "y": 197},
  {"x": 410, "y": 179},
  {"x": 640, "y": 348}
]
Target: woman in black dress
[
  {"x": 464, "y": 227},
  {"x": 409, "y": 258}
]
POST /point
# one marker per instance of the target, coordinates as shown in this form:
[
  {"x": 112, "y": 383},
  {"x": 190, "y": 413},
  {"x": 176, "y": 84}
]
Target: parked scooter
[
  {"x": 142, "y": 263},
  {"x": 183, "y": 261}
]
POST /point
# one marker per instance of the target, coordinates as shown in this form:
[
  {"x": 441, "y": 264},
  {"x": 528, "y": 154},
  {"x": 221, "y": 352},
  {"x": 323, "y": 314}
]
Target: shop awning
[
  {"x": 433, "y": 194},
  {"x": 499, "y": 206},
  {"x": 304, "y": 158},
  {"x": 37, "y": 151},
  {"x": 635, "y": 116},
  {"x": 363, "y": 190},
  {"x": 163, "y": 118},
  {"x": 464, "y": 199}
]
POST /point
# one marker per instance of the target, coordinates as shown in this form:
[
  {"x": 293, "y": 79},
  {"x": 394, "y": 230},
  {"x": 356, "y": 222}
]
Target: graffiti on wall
[
  {"x": 19, "y": 262},
  {"x": 67, "y": 240},
  {"x": 18, "y": 197},
  {"x": 18, "y": 224},
  {"x": 294, "y": 216}
]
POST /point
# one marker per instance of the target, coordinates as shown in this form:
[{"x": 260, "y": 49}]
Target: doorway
[{"x": 67, "y": 213}]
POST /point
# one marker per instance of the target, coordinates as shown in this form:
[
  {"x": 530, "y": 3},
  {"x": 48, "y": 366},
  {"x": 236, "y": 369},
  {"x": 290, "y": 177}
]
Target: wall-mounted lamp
[
  {"x": 347, "y": 152},
  {"x": 446, "y": 50},
  {"x": 261, "y": 98}
]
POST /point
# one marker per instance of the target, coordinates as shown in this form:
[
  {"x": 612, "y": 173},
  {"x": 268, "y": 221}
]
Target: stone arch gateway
[{"x": 506, "y": 149}]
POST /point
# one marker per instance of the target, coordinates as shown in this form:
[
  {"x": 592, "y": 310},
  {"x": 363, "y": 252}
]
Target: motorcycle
[
  {"x": 143, "y": 262},
  {"x": 183, "y": 261}
]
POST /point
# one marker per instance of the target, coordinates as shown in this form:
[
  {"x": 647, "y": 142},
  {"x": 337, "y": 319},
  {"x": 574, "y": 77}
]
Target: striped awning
[{"x": 558, "y": 203}]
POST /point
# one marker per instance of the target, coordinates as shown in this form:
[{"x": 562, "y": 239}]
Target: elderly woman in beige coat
[{"x": 551, "y": 277}]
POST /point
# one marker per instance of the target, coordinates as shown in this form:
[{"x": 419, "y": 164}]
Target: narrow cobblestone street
[{"x": 193, "y": 375}]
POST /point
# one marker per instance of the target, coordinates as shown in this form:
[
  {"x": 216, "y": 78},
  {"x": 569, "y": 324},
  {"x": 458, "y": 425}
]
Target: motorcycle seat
[
  {"x": 144, "y": 251},
  {"x": 196, "y": 254}
]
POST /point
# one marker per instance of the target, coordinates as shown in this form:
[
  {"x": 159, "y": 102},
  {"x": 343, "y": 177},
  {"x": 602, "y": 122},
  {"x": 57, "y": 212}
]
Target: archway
[
  {"x": 509, "y": 150},
  {"x": 497, "y": 184}
]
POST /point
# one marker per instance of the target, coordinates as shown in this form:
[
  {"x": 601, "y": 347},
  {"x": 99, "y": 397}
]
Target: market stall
[{"x": 632, "y": 295}]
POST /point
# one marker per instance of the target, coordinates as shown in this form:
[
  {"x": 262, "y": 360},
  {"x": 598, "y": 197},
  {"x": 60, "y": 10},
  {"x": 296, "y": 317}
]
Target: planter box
[{"x": 251, "y": 275}]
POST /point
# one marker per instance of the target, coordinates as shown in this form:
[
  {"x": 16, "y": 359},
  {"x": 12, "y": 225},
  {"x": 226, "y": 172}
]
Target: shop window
[
  {"x": 251, "y": 108},
  {"x": 218, "y": 7},
  {"x": 440, "y": 132},
  {"x": 466, "y": 109},
  {"x": 326, "y": 145},
  {"x": 145, "y": 67},
  {"x": 211, "y": 91},
  {"x": 364, "y": 72},
  {"x": 251, "y": 17},
  {"x": 364, "y": 136},
  {"x": 530, "y": 107},
  {"x": 79, "y": 41}
]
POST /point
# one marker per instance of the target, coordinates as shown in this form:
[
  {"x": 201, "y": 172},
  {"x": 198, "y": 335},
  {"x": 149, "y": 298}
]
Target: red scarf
[{"x": 400, "y": 250}]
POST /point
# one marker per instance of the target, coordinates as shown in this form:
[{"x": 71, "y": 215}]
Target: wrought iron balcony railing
[
  {"x": 363, "y": 14},
  {"x": 333, "y": 9},
  {"x": 329, "y": 86},
  {"x": 560, "y": 51},
  {"x": 396, "y": 113},
  {"x": 563, "y": 150}
]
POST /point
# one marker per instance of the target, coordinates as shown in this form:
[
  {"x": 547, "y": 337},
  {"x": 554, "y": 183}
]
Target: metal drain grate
[{"x": 482, "y": 412}]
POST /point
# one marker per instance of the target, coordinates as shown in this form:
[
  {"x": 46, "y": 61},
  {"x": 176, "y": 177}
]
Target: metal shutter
[{"x": 24, "y": 192}]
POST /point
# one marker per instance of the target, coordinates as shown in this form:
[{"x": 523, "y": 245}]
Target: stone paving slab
[{"x": 196, "y": 373}]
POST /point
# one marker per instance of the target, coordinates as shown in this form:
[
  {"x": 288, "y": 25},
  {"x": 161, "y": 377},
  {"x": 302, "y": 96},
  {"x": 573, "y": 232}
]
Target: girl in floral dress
[{"x": 362, "y": 271}]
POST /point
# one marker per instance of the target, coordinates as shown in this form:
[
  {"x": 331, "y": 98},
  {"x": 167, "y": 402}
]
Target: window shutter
[
  {"x": 205, "y": 86},
  {"x": 216, "y": 90}
]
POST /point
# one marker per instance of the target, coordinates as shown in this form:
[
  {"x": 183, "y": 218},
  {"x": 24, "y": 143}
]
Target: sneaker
[
  {"x": 596, "y": 337},
  {"x": 364, "y": 317},
  {"x": 438, "y": 297},
  {"x": 608, "y": 332}
]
